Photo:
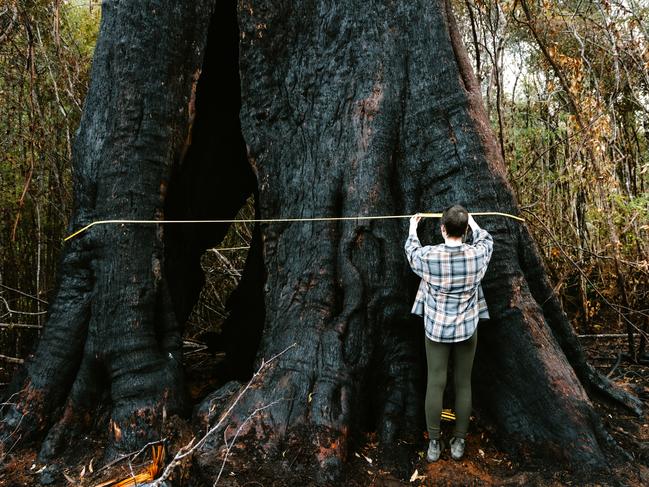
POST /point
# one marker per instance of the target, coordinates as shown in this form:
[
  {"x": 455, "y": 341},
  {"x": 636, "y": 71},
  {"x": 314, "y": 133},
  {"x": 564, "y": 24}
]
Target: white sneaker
[
  {"x": 457, "y": 448},
  {"x": 434, "y": 450}
]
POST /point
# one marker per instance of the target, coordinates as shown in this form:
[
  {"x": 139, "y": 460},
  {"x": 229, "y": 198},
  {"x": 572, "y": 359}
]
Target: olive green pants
[{"x": 437, "y": 357}]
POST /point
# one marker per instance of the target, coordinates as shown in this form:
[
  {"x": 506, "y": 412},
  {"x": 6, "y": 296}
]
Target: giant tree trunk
[
  {"x": 142, "y": 152},
  {"x": 349, "y": 108},
  {"x": 357, "y": 109}
]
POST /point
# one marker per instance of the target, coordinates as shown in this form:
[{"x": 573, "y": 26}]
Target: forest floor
[{"x": 484, "y": 463}]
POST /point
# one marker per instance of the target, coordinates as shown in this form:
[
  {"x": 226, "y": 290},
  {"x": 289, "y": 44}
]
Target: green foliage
[{"x": 81, "y": 24}]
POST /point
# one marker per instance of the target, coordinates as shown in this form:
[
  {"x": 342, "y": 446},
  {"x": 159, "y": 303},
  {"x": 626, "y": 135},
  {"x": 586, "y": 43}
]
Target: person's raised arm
[
  {"x": 413, "y": 247},
  {"x": 473, "y": 224},
  {"x": 481, "y": 239}
]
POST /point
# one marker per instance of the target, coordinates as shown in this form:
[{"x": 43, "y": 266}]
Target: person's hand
[
  {"x": 472, "y": 222},
  {"x": 414, "y": 221}
]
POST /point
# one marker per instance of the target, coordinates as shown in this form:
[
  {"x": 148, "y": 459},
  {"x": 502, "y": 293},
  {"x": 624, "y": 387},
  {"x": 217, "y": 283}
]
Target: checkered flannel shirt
[{"x": 450, "y": 296}]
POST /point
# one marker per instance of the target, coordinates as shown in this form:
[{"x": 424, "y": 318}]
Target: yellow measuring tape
[
  {"x": 278, "y": 220},
  {"x": 448, "y": 415}
]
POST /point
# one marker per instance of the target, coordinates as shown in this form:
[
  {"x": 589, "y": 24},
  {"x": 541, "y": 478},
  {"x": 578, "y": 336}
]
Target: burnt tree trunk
[
  {"x": 371, "y": 109},
  {"x": 348, "y": 108},
  {"x": 144, "y": 150}
]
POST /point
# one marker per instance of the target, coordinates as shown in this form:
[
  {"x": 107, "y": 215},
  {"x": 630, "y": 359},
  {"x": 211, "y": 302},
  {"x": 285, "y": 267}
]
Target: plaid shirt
[{"x": 450, "y": 296}]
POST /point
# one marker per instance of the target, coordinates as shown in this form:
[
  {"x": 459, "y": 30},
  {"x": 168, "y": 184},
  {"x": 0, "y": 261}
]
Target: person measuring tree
[{"x": 451, "y": 301}]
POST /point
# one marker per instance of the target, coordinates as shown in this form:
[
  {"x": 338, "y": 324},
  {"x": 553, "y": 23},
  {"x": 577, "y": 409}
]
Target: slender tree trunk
[{"x": 348, "y": 109}]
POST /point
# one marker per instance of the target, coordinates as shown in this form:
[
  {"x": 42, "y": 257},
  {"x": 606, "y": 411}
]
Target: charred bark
[
  {"x": 348, "y": 109},
  {"x": 159, "y": 139},
  {"x": 358, "y": 110}
]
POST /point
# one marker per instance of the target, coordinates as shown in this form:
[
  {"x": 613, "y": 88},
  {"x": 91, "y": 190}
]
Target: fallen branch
[
  {"x": 12, "y": 360},
  {"x": 19, "y": 325},
  {"x": 191, "y": 447}
]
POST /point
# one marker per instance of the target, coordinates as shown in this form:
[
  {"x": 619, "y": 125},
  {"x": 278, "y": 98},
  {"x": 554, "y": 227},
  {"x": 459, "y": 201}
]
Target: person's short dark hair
[{"x": 455, "y": 219}]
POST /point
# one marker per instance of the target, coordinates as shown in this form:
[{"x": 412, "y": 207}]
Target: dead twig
[
  {"x": 602, "y": 335},
  {"x": 615, "y": 366},
  {"x": 613, "y": 306},
  {"x": 131, "y": 455},
  {"x": 11, "y": 360},
  {"x": 19, "y": 325},
  {"x": 193, "y": 445},
  {"x": 22, "y": 293},
  {"x": 16, "y": 429},
  {"x": 14, "y": 311}
]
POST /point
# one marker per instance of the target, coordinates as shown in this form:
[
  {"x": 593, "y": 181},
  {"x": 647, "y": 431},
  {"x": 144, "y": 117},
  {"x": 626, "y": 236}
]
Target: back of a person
[
  {"x": 451, "y": 301},
  {"x": 456, "y": 270}
]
